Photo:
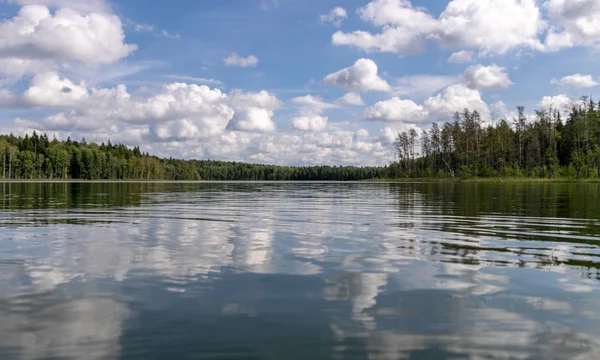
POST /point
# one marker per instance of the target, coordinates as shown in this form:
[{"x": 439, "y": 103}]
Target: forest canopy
[
  {"x": 545, "y": 147},
  {"x": 37, "y": 157}
]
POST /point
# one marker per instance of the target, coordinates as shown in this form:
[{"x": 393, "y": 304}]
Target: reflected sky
[{"x": 238, "y": 271}]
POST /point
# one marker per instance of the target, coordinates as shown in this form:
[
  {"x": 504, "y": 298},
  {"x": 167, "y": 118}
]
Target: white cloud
[
  {"x": 576, "y": 81},
  {"x": 177, "y": 130},
  {"x": 253, "y": 111},
  {"x": 49, "y": 90},
  {"x": 490, "y": 26},
  {"x": 14, "y": 68},
  {"x": 313, "y": 101},
  {"x": 391, "y": 40},
  {"x": 404, "y": 28},
  {"x": 351, "y": 98},
  {"x": 37, "y": 34},
  {"x": 253, "y": 119},
  {"x": 361, "y": 134},
  {"x": 574, "y": 23},
  {"x": 461, "y": 56},
  {"x": 236, "y": 60},
  {"x": 457, "y": 98},
  {"x": 396, "y": 109},
  {"x": 481, "y": 77},
  {"x": 309, "y": 122},
  {"x": 209, "y": 110},
  {"x": 362, "y": 76},
  {"x": 561, "y": 102},
  {"x": 310, "y": 116},
  {"x": 398, "y": 12},
  {"x": 336, "y": 16},
  {"x": 261, "y": 99}
]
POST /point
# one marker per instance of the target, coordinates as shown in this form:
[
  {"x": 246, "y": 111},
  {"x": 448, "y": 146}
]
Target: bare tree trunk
[{"x": 10, "y": 164}]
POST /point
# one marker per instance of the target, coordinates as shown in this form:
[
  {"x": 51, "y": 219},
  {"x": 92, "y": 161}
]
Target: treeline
[
  {"x": 37, "y": 157},
  {"x": 548, "y": 147}
]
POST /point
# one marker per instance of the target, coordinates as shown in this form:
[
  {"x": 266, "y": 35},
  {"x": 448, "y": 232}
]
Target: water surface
[{"x": 299, "y": 271}]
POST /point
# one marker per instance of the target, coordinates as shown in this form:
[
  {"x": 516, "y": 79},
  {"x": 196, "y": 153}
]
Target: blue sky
[{"x": 285, "y": 81}]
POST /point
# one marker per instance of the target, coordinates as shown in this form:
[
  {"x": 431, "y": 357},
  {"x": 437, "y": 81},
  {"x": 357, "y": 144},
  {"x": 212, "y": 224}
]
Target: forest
[
  {"x": 37, "y": 157},
  {"x": 546, "y": 147}
]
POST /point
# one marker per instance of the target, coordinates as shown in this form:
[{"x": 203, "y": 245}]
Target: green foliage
[
  {"x": 544, "y": 148},
  {"x": 37, "y": 158}
]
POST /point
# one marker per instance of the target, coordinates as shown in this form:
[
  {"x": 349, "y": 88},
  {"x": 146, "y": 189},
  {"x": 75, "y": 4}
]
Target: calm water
[{"x": 299, "y": 271}]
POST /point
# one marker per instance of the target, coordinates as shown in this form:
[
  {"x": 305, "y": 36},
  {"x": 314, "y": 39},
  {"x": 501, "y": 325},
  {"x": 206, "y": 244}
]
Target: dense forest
[
  {"x": 37, "y": 157},
  {"x": 548, "y": 147}
]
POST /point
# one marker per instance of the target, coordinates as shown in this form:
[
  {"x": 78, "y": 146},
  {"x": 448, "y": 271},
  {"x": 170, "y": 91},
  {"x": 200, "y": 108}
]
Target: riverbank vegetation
[
  {"x": 38, "y": 158},
  {"x": 547, "y": 147}
]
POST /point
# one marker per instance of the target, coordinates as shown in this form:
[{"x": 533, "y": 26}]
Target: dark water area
[{"x": 299, "y": 271}]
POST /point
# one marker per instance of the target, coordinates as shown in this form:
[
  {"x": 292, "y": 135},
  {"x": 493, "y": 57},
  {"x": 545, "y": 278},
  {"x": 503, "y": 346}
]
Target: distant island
[{"x": 542, "y": 148}]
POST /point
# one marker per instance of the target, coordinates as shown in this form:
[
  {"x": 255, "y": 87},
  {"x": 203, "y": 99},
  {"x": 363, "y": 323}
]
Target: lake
[{"x": 299, "y": 271}]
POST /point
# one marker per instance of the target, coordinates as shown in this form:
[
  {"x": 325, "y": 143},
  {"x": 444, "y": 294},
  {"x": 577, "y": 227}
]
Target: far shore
[
  {"x": 487, "y": 180},
  {"x": 390, "y": 181}
]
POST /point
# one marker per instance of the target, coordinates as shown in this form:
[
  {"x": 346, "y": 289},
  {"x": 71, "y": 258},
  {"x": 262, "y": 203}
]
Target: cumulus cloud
[
  {"x": 396, "y": 109},
  {"x": 49, "y": 89},
  {"x": 253, "y": 111},
  {"x": 481, "y": 77},
  {"x": 362, "y": 76},
  {"x": 177, "y": 130},
  {"x": 14, "y": 68},
  {"x": 576, "y": 81},
  {"x": 253, "y": 119},
  {"x": 313, "y": 101},
  {"x": 474, "y": 24},
  {"x": 560, "y": 102},
  {"x": 441, "y": 107},
  {"x": 574, "y": 23},
  {"x": 178, "y": 109},
  {"x": 361, "y": 134},
  {"x": 236, "y": 60},
  {"x": 461, "y": 56},
  {"x": 336, "y": 16},
  {"x": 455, "y": 98},
  {"x": 351, "y": 98},
  {"x": 463, "y": 24},
  {"x": 404, "y": 28},
  {"x": 67, "y": 35},
  {"x": 310, "y": 117},
  {"x": 309, "y": 122}
]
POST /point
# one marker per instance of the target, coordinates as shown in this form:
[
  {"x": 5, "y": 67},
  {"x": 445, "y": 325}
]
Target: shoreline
[
  {"x": 368, "y": 181},
  {"x": 487, "y": 180}
]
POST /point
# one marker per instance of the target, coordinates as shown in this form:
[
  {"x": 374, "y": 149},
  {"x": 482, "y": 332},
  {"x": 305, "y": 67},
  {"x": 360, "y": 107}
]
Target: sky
[{"x": 296, "y": 82}]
